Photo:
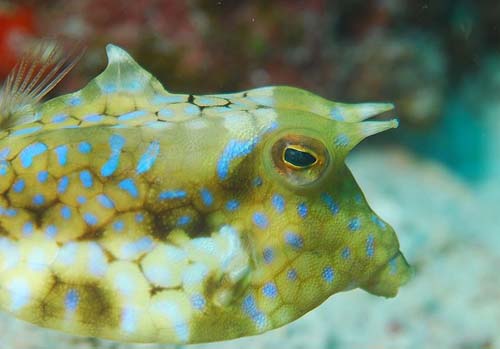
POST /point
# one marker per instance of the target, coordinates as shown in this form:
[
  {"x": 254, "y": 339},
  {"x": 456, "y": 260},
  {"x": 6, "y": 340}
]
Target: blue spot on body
[
  {"x": 26, "y": 131},
  {"x": 165, "y": 113},
  {"x": 90, "y": 219},
  {"x": 51, "y": 231},
  {"x": 86, "y": 179},
  {"x": 10, "y": 212},
  {"x": 257, "y": 181},
  {"x": 38, "y": 200},
  {"x": 370, "y": 246},
  {"x": 60, "y": 118},
  {"x": 128, "y": 320},
  {"x": 19, "y": 185},
  {"x": 62, "y": 154},
  {"x": 65, "y": 212},
  {"x": 172, "y": 194},
  {"x": 144, "y": 244},
  {"x": 294, "y": 240},
  {"x": 139, "y": 217},
  {"x": 358, "y": 199},
  {"x": 354, "y": 224},
  {"x": 84, "y": 147},
  {"x": 260, "y": 220},
  {"x": 270, "y": 290},
  {"x": 141, "y": 245},
  {"x": 268, "y": 255},
  {"x": 133, "y": 86},
  {"x": 346, "y": 253},
  {"x": 27, "y": 229},
  {"x": 250, "y": 308},
  {"x": 93, "y": 118},
  {"x": 43, "y": 176},
  {"x": 183, "y": 220},
  {"x": 74, "y": 101},
  {"x": 291, "y": 274},
  {"x": 108, "y": 88},
  {"x": 336, "y": 114},
  {"x": 330, "y": 203},
  {"x": 4, "y": 166},
  {"x": 62, "y": 185},
  {"x": 4, "y": 153},
  {"x": 116, "y": 143},
  {"x": 278, "y": 202},
  {"x": 232, "y": 205},
  {"x": 233, "y": 150},
  {"x": 110, "y": 167},
  {"x": 206, "y": 101},
  {"x": 393, "y": 265},
  {"x": 72, "y": 300},
  {"x": 29, "y": 153},
  {"x": 81, "y": 199},
  {"x": 118, "y": 225},
  {"x": 249, "y": 305},
  {"x": 272, "y": 126},
  {"x": 302, "y": 209},
  {"x": 191, "y": 110},
  {"x": 328, "y": 274},
  {"x": 342, "y": 140},
  {"x": 132, "y": 115},
  {"x": 129, "y": 186},
  {"x": 375, "y": 219},
  {"x": 206, "y": 197},
  {"x": 198, "y": 302},
  {"x": 105, "y": 201},
  {"x": 158, "y": 99},
  {"x": 148, "y": 159}
]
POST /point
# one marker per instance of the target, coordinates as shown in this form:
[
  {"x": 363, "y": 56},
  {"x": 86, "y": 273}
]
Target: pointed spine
[
  {"x": 359, "y": 111},
  {"x": 351, "y": 134},
  {"x": 124, "y": 75},
  {"x": 370, "y": 128}
]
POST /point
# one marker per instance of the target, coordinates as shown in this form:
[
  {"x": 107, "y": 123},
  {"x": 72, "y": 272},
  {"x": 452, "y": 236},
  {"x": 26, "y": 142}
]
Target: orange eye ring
[{"x": 301, "y": 160}]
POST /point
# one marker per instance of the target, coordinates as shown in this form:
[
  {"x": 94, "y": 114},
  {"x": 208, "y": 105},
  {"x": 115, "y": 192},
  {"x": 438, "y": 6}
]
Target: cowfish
[{"x": 138, "y": 215}]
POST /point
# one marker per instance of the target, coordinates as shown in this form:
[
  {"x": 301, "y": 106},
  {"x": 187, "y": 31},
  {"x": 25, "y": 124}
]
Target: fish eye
[
  {"x": 296, "y": 157},
  {"x": 300, "y": 159}
]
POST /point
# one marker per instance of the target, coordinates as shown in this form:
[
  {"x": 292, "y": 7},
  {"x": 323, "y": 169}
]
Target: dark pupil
[{"x": 299, "y": 158}]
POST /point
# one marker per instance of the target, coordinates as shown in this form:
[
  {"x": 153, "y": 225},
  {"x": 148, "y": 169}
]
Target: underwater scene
[{"x": 249, "y": 174}]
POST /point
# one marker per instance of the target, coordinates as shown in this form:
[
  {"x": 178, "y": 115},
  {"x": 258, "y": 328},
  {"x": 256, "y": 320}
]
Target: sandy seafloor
[{"x": 447, "y": 231}]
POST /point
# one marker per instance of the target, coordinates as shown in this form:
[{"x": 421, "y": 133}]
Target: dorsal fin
[
  {"x": 36, "y": 74},
  {"x": 124, "y": 74}
]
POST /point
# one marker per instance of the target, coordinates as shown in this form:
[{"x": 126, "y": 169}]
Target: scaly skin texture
[{"x": 130, "y": 213}]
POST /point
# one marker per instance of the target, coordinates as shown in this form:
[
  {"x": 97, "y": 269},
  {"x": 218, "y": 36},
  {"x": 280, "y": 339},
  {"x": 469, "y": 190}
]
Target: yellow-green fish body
[{"x": 134, "y": 214}]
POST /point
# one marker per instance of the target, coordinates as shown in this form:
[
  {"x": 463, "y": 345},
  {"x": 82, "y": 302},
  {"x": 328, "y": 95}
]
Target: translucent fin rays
[{"x": 36, "y": 74}]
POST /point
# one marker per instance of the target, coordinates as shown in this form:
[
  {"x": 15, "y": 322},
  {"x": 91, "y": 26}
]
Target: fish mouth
[{"x": 391, "y": 276}]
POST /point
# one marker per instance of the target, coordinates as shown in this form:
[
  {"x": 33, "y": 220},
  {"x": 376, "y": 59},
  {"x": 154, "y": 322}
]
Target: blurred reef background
[{"x": 436, "y": 179}]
